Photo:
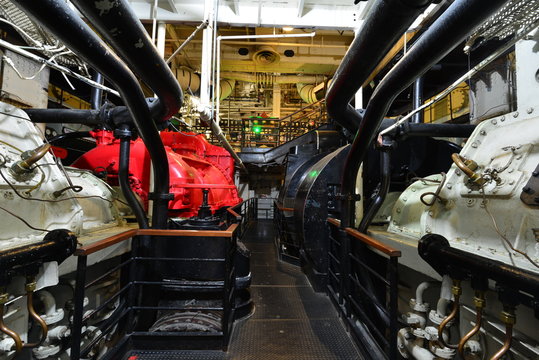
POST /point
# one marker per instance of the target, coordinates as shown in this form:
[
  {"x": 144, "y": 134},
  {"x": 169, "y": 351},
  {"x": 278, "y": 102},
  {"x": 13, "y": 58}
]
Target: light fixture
[{"x": 288, "y": 28}]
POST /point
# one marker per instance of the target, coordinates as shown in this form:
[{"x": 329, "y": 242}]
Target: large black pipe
[
  {"x": 97, "y": 93},
  {"x": 385, "y": 23},
  {"x": 438, "y": 253},
  {"x": 122, "y": 29},
  {"x": 434, "y": 130},
  {"x": 69, "y": 28},
  {"x": 418, "y": 100},
  {"x": 382, "y": 191},
  {"x": 65, "y": 116},
  {"x": 123, "y": 179},
  {"x": 453, "y": 26}
]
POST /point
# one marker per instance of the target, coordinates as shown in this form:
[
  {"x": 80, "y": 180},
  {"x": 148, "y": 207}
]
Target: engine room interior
[{"x": 244, "y": 180}]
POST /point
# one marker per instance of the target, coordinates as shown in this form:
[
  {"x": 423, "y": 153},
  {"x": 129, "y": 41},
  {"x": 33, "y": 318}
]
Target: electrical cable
[
  {"x": 504, "y": 238},
  {"x": 22, "y": 220}
]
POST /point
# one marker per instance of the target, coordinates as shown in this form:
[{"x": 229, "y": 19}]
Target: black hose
[
  {"x": 70, "y": 135},
  {"x": 453, "y": 26},
  {"x": 69, "y": 28},
  {"x": 132, "y": 43},
  {"x": 64, "y": 116},
  {"x": 382, "y": 192},
  {"x": 385, "y": 23},
  {"x": 123, "y": 179}
]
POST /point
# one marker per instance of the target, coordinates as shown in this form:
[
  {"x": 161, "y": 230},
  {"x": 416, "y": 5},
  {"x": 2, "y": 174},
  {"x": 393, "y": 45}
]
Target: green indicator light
[{"x": 257, "y": 129}]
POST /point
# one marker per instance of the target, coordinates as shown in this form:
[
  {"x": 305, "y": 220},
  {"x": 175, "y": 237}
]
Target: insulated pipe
[
  {"x": 385, "y": 23},
  {"x": 64, "y": 116},
  {"x": 122, "y": 29},
  {"x": 449, "y": 30},
  {"x": 68, "y": 27}
]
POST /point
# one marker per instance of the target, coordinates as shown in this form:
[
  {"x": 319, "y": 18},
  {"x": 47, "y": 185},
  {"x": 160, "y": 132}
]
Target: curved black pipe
[
  {"x": 68, "y": 27},
  {"x": 459, "y": 20},
  {"x": 385, "y": 23},
  {"x": 64, "y": 116},
  {"x": 71, "y": 135},
  {"x": 132, "y": 43},
  {"x": 123, "y": 179}
]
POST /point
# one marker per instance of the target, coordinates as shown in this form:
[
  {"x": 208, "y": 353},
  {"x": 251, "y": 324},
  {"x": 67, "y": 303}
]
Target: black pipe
[
  {"x": 68, "y": 27},
  {"x": 65, "y": 116},
  {"x": 385, "y": 23},
  {"x": 97, "y": 93},
  {"x": 448, "y": 31},
  {"x": 70, "y": 135},
  {"x": 123, "y": 179},
  {"x": 417, "y": 118},
  {"x": 132, "y": 43},
  {"x": 438, "y": 253},
  {"x": 382, "y": 192},
  {"x": 406, "y": 130},
  {"x": 57, "y": 246}
]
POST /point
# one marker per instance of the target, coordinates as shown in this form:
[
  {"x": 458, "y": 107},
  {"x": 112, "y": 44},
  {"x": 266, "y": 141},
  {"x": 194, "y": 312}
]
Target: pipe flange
[
  {"x": 437, "y": 319},
  {"x": 419, "y": 307}
]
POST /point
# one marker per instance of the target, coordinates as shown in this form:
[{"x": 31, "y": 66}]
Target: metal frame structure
[
  {"x": 238, "y": 218},
  {"x": 365, "y": 290}
]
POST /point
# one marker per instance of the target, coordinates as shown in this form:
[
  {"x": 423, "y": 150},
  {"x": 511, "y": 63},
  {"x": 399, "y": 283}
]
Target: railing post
[{"x": 78, "y": 307}]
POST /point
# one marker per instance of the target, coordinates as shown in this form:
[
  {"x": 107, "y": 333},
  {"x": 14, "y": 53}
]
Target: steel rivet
[
  {"x": 515, "y": 114},
  {"x": 529, "y": 110},
  {"x": 474, "y": 145},
  {"x": 483, "y": 132},
  {"x": 494, "y": 121},
  {"x": 449, "y": 186},
  {"x": 502, "y": 118}
]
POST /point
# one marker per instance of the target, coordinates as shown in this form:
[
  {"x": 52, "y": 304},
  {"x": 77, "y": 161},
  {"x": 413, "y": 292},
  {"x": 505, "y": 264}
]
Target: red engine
[{"x": 194, "y": 165}]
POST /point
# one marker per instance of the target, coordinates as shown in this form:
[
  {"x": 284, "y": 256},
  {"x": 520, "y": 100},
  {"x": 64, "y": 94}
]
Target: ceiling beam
[
  {"x": 172, "y": 5},
  {"x": 301, "y": 5}
]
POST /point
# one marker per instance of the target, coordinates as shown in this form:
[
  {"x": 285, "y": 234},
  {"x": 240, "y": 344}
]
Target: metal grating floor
[{"x": 291, "y": 321}]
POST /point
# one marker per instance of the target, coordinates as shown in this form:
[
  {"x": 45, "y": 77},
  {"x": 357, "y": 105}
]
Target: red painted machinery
[{"x": 194, "y": 165}]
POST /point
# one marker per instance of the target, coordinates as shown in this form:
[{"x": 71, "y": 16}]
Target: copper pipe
[
  {"x": 457, "y": 291},
  {"x": 3, "y": 328},
  {"x": 30, "y": 287},
  {"x": 506, "y": 343},
  {"x": 509, "y": 318},
  {"x": 479, "y": 301},
  {"x": 35, "y": 155},
  {"x": 468, "y": 166}
]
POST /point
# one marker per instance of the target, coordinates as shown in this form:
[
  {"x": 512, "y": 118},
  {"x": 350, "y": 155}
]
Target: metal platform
[{"x": 290, "y": 321}]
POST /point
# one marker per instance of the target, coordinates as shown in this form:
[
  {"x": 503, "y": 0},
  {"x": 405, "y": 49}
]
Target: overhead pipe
[
  {"x": 276, "y": 79},
  {"x": 306, "y": 92},
  {"x": 97, "y": 93},
  {"x": 449, "y": 30},
  {"x": 65, "y": 116},
  {"x": 69, "y": 28},
  {"x": 202, "y": 26},
  {"x": 385, "y": 23},
  {"x": 122, "y": 29}
]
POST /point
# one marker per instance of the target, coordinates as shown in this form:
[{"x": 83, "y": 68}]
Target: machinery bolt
[
  {"x": 494, "y": 122},
  {"x": 474, "y": 145},
  {"x": 529, "y": 110},
  {"x": 398, "y": 210},
  {"x": 431, "y": 213},
  {"x": 528, "y": 190},
  {"x": 502, "y": 118},
  {"x": 449, "y": 186},
  {"x": 483, "y": 132},
  {"x": 511, "y": 182},
  {"x": 457, "y": 172},
  {"x": 535, "y": 173},
  {"x": 515, "y": 114}
]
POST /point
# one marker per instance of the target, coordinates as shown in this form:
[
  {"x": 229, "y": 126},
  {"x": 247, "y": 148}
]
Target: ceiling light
[{"x": 288, "y": 28}]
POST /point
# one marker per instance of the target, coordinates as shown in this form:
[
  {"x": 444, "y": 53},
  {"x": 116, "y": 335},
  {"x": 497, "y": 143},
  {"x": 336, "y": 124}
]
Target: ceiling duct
[
  {"x": 187, "y": 78},
  {"x": 266, "y": 55}
]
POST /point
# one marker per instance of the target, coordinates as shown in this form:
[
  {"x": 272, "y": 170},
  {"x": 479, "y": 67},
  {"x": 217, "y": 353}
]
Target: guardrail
[
  {"x": 238, "y": 218},
  {"x": 363, "y": 284}
]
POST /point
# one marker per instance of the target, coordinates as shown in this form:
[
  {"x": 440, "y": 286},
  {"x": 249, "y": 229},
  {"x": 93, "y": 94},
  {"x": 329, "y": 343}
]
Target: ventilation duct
[
  {"x": 307, "y": 92},
  {"x": 226, "y": 86},
  {"x": 266, "y": 55},
  {"x": 187, "y": 78},
  {"x": 270, "y": 79}
]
